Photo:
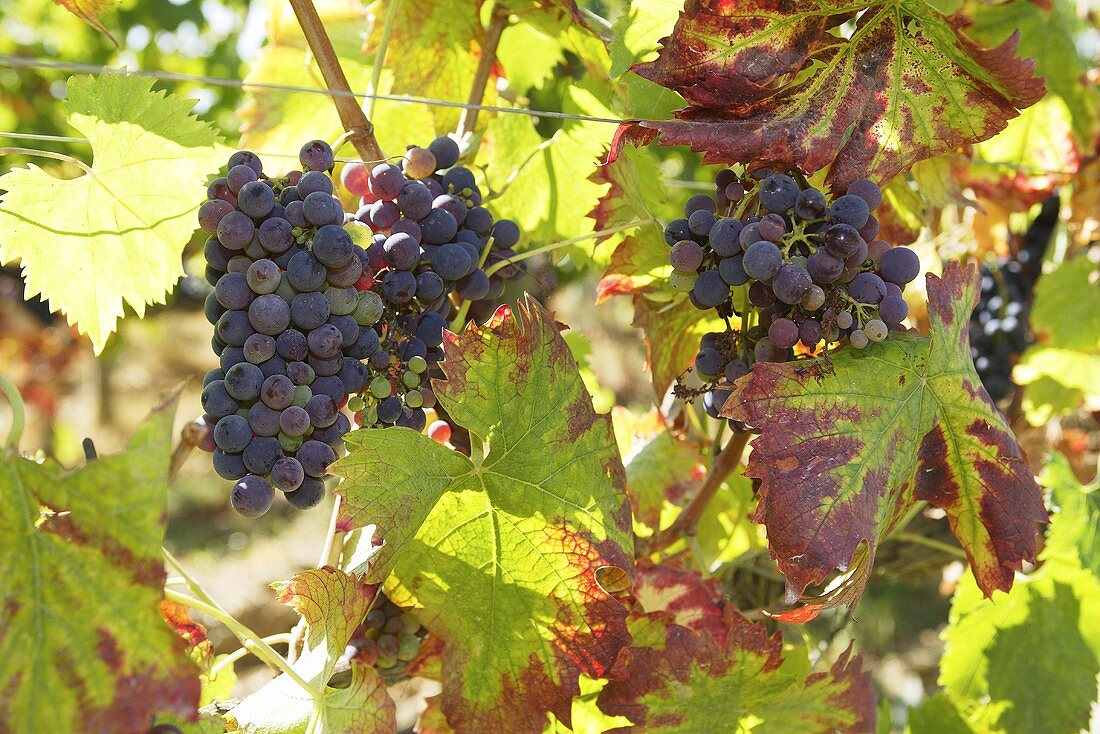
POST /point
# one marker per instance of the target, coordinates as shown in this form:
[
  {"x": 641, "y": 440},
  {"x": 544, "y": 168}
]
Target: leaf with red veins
[
  {"x": 83, "y": 645},
  {"x": 695, "y": 684},
  {"x": 498, "y": 554},
  {"x": 332, "y": 604},
  {"x": 687, "y": 598},
  {"x": 851, "y": 442},
  {"x": 672, "y": 332},
  {"x": 908, "y": 85}
]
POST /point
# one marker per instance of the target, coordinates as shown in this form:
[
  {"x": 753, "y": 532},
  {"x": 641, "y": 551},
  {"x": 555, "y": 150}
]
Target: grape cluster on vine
[
  {"x": 388, "y": 638},
  {"x": 999, "y": 330},
  {"x": 798, "y": 270},
  {"x": 426, "y": 236},
  {"x": 316, "y": 309}
]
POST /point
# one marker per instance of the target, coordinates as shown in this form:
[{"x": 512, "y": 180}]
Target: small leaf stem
[
  {"x": 498, "y": 21},
  {"x": 352, "y": 117},
  {"x": 247, "y": 648},
  {"x": 496, "y": 267},
  {"x": 916, "y": 539},
  {"x": 380, "y": 57},
  {"x": 684, "y": 525},
  {"x": 248, "y": 638},
  {"x": 49, "y": 154},
  {"x": 18, "y": 413}
]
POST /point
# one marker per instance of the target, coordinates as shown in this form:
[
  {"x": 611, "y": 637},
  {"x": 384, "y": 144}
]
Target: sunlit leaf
[
  {"x": 504, "y": 545},
  {"x": 114, "y": 235},
  {"x": 89, "y": 11},
  {"x": 333, "y": 604},
  {"x": 1075, "y": 526}
]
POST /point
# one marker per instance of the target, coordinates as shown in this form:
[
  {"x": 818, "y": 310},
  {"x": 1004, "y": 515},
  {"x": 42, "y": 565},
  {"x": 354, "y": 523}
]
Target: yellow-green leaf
[
  {"x": 83, "y": 646},
  {"x": 114, "y": 235},
  {"x": 498, "y": 553}
]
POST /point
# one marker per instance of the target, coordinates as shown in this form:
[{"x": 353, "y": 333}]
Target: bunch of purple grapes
[
  {"x": 291, "y": 328},
  {"x": 427, "y": 236},
  {"x": 795, "y": 267},
  {"x": 388, "y": 639}
]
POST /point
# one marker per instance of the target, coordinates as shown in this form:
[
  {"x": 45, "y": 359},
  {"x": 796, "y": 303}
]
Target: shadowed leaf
[
  {"x": 851, "y": 441},
  {"x": 498, "y": 553}
]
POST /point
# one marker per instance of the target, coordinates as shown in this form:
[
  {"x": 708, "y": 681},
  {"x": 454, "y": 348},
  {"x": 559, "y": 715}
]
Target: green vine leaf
[
  {"x": 851, "y": 441},
  {"x": 991, "y": 644},
  {"x": 333, "y": 604},
  {"x": 737, "y": 679},
  {"x": 83, "y": 572},
  {"x": 775, "y": 85},
  {"x": 114, "y": 235},
  {"x": 498, "y": 553},
  {"x": 1075, "y": 527},
  {"x": 1063, "y": 368}
]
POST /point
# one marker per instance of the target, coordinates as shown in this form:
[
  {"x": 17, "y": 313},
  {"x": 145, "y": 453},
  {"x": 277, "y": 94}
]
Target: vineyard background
[{"x": 248, "y": 70}]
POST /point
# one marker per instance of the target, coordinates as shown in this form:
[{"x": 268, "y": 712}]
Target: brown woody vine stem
[
  {"x": 351, "y": 114},
  {"x": 724, "y": 464},
  {"x": 497, "y": 23}
]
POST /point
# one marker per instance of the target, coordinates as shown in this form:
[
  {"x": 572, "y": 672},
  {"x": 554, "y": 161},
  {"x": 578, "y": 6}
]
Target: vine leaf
[
  {"x": 672, "y": 333},
  {"x": 1063, "y": 367},
  {"x": 775, "y": 85},
  {"x": 498, "y": 554},
  {"x": 88, "y": 11},
  {"x": 114, "y": 235},
  {"x": 1050, "y": 613},
  {"x": 82, "y": 571},
  {"x": 851, "y": 441},
  {"x": 661, "y": 469},
  {"x": 714, "y": 670},
  {"x": 333, "y": 604},
  {"x": 1075, "y": 528}
]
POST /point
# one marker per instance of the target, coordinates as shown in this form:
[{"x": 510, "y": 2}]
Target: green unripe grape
[
  {"x": 410, "y": 646},
  {"x": 285, "y": 291},
  {"x": 681, "y": 281},
  {"x": 342, "y": 301},
  {"x": 302, "y": 394},
  {"x": 418, "y": 364},
  {"x": 369, "y": 414},
  {"x": 385, "y": 663},
  {"x": 289, "y": 443},
  {"x": 380, "y": 387},
  {"x": 410, "y": 379},
  {"x": 356, "y": 403},
  {"x": 414, "y": 399},
  {"x": 369, "y": 309},
  {"x": 361, "y": 234}
]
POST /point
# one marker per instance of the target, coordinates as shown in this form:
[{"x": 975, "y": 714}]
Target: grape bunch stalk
[
  {"x": 798, "y": 270},
  {"x": 315, "y": 309}
]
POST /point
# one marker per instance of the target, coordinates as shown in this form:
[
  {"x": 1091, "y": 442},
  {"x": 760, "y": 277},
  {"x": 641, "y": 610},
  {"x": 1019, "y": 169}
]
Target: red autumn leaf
[
  {"x": 851, "y": 441},
  {"x": 772, "y": 84}
]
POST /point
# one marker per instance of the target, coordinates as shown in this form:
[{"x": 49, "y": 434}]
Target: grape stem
[
  {"x": 498, "y": 21},
  {"x": 380, "y": 57},
  {"x": 205, "y": 604},
  {"x": 684, "y": 526},
  {"x": 917, "y": 539},
  {"x": 496, "y": 267},
  {"x": 247, "y": 648},
  {"x": 352, "y": 117},
  {"x": 49, "y": 154},
  {"x": 18, "y": 413}
]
